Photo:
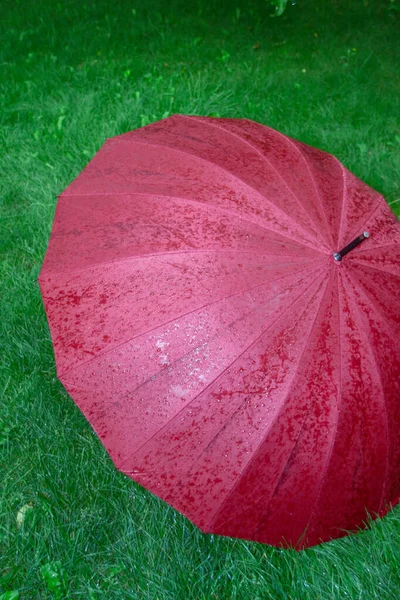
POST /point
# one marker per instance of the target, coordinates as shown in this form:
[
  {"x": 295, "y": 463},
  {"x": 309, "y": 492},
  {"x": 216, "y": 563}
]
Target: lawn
[{"x": 72, "y": 74}]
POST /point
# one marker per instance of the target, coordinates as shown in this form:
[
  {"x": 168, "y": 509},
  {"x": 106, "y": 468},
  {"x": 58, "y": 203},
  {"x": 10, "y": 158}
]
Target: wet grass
[{"x": 73, "y": 73}]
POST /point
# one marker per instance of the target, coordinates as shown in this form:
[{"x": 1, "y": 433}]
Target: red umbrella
[{"x": 217, "y": 319}]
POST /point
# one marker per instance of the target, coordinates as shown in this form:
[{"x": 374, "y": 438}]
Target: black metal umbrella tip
[{"x": 339, "y": 255}]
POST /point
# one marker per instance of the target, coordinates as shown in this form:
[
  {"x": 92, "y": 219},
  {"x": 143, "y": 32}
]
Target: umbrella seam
[
  {"x": 258, "y": 527},
  {"x": 321, "y": 204},
  {"x": 248, "y": 290},
  {"x": 228, "y": 211},
  {"x": 237, "y": 215},
  {"x": 344, "y": 199},
  {"x": 135, "y": 257},
  {"x": 358, "y": 251},
  {"x": 316, "y": 237},
  {"x": 379, "y": 199},
  {"x": 324, "y": 215},
  {"x": 363, "y": 225},
  {"x": 223, "y": 371},
  {"x": 373, "y": 357},
  {"x": 378, "y": 308},
  {"x": 266, "y": 160},
  {"x": 338, "y": 405},
  {"x": 370, "y": 267},
  {"x": 260, "y": 498},
  {"x": 275, "y": 418}
]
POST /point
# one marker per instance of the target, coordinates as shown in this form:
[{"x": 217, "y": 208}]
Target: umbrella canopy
[{"x": 217, "y": 319}]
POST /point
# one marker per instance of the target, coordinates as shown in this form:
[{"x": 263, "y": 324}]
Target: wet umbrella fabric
[{"x": 200, "y": 321}]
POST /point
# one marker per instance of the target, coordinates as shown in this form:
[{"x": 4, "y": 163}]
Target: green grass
[{"x": 73, "y": 73}]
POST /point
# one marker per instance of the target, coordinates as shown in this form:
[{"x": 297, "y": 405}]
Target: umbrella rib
[
  {"x": 344, "y": 200},
  {"x": 251, "y": 504},
  {"x": 391, "y": 331},
  {"x": 338, "y": 403},
  {"x": 227, "y": 211},
  {"x": 367, "y": 341},
  {"x": 363, "y": 225},
  {"x": 237, "y": 482},
  {"x": 173, "y": 320},
  {"x": 179, "y": 358},
  {"x": 316, "y": 237},
  {"x": 133, "y": 258},
  {"x": 222, "y": 373},
  {"x": 370, "y": 267},
  {"x": 255, "y": 149},
  {"x": 391, "y": 245},
  {"x": 262, "y": 440},
  {"x": 320, "y": 202},
  {"x": 278, "y": 413},
  {"x": 282, "y": 473}
]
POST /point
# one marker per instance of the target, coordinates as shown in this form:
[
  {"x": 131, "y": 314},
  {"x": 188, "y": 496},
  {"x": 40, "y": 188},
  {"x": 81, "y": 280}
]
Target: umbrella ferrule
[{"x": 339, "y": 255}]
